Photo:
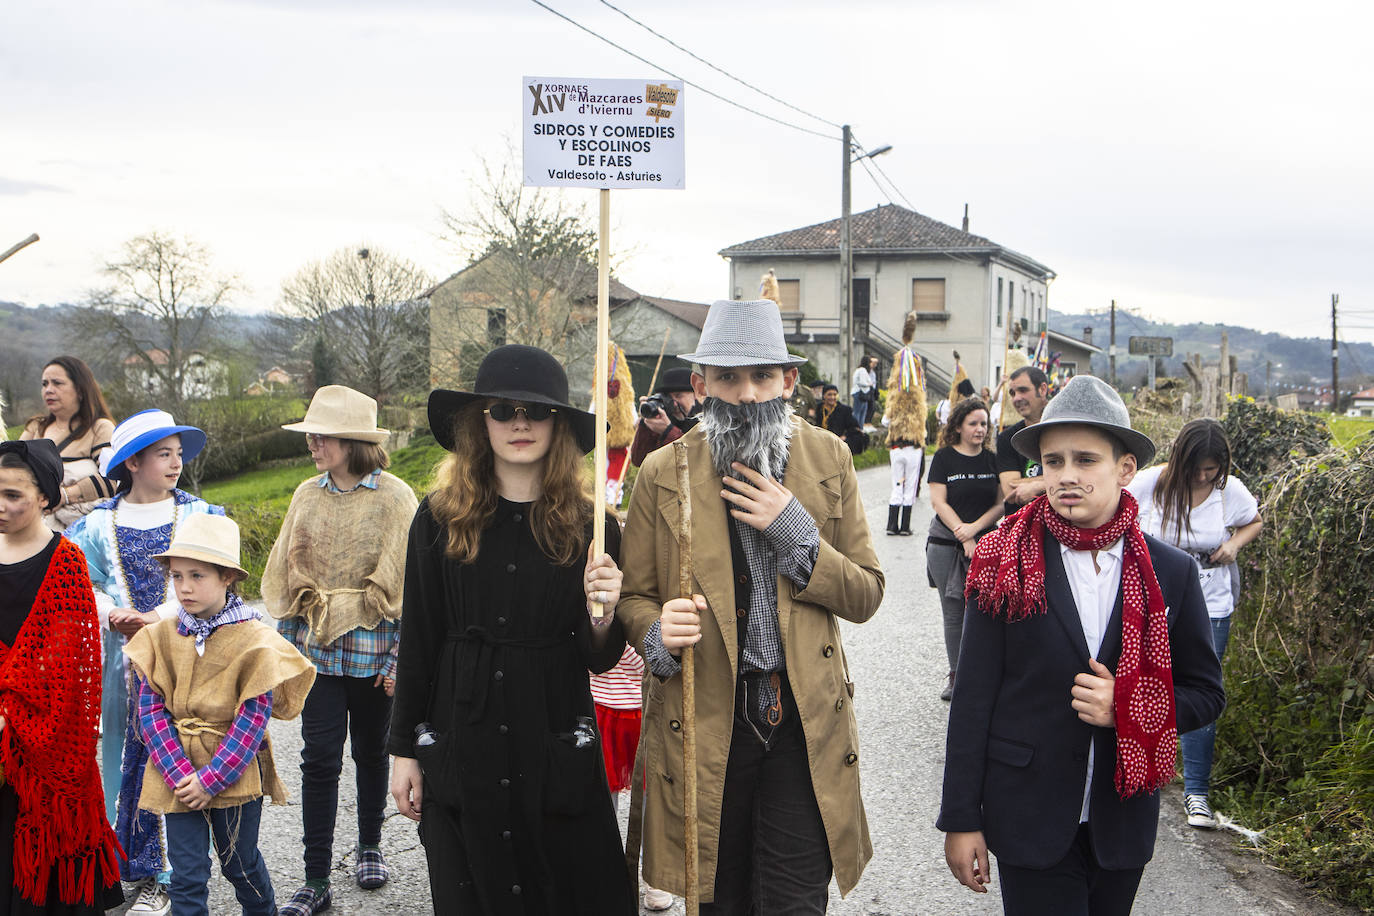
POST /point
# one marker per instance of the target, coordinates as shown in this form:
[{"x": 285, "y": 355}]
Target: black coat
[
  {"x": 1017, "y": 753},
  {"x": 843, "y": 424},
  {"x": 495, "y": 654}
]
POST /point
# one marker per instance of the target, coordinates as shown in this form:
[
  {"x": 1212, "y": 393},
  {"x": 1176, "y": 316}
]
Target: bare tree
[
  {"x": 159, "y": 309},
  {"x": 531, "y": 275},
  {"x": 359, "y": 314}
]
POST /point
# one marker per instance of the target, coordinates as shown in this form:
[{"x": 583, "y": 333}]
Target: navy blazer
[{"x": 1016, "y": 757}]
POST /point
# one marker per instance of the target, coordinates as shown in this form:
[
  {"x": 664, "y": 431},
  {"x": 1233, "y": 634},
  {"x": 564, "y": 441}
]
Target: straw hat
[
  {"x": 208, "y": 538},
  {"x": 1086, "y": 400},
  {"x": 342, "y": 413}
]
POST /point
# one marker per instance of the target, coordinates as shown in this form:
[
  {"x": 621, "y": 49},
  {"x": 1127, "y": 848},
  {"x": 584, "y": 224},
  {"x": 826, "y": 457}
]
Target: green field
[{"x": 1348, "y": 431}]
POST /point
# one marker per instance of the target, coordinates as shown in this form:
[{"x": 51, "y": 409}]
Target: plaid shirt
[
  {"x": 788, "y": 546},
  {"x": 357, "y": 653},
  {"x": 370, "y": 481},
  {"x": 242, "y": 740}
]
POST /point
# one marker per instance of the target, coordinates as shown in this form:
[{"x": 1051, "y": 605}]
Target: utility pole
[
  {"x": 1335, "y": 357},
  {"x": 846, "y": 267},
  {"x": 1111, "y": 348},
  {"x": 847, "y": 257}
]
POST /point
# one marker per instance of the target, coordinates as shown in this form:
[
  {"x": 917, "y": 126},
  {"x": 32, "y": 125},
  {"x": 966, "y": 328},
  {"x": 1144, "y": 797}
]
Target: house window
[
  {"x": 789, "y": 291},
  {"x": 1011, "y": 299},
  {"x": 1068, "y": 369},
  {"x": 999, "y": 302},
  {"x": 927, "y": 296}
]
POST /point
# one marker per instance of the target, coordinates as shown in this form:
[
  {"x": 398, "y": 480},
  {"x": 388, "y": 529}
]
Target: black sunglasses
[{"x": 504, "y": 412}]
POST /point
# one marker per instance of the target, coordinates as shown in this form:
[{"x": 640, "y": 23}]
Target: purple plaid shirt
[{"x": 242, "y": 740}]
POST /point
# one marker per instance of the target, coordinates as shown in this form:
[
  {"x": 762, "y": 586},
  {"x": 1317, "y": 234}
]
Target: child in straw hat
[{"x": 208, "y": 680}]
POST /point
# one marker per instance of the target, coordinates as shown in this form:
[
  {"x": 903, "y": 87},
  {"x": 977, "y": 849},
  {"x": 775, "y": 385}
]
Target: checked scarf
[{"x": 1008, "y": 577}]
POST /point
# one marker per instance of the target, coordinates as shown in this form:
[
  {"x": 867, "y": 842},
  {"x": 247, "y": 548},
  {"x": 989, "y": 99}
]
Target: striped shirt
[
  {"x": 621, "y": 687},
  {"x": 242, "y": 740}
]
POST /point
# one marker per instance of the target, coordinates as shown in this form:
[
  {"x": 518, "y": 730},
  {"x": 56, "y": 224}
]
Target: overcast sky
[{"x": 1194, "y": 161}]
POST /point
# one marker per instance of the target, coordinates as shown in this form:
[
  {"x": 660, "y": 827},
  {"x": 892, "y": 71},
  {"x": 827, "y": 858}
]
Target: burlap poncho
[
  {"x": 339, "y": 561},
  {"x": 203, "y": 694}
]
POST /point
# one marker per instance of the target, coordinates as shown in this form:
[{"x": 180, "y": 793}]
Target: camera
[{"x": 653, "y": 405}]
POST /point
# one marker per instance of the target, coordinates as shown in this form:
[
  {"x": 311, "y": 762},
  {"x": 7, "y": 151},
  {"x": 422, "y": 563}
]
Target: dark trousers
[
  {"x": 340, "y": 707},
  {"x": 1075, "y": 886},
  {"x": 773, "y": 857},
  {"x": 235, "y": 834}
]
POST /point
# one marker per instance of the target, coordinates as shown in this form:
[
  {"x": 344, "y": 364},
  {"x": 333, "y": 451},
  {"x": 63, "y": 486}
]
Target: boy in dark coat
[{"x": 1086, "y": 651}]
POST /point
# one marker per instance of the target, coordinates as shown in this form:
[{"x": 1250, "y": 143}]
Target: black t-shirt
[
  {"x": 970, "y": 482},
  {"x": 1009, "y": 459}
]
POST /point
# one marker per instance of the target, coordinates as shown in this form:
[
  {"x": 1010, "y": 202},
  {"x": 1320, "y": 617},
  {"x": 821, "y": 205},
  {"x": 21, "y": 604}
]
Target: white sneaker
[
  {"x": 152, "y": 900},
  {"x": 1199, "y": 812},
  {"x": 656, "y": 900}
]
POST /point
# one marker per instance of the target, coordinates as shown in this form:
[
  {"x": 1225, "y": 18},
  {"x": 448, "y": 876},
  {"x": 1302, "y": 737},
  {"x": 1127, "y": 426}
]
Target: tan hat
[
  {"x": 343, "y": 413},
  {"x": 208, "y": 538}
]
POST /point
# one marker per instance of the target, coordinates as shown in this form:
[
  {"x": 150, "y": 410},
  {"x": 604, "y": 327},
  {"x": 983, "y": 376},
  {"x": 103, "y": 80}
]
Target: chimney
[
  {"x": 966, "y": 217},
  {"x": 1087, "y": 335}
]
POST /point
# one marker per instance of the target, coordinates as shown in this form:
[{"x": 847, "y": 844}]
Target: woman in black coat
[{"x": 493, "y": 731}]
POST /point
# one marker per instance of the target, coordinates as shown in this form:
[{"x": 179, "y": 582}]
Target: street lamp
[{"x": 850, "y": 155}]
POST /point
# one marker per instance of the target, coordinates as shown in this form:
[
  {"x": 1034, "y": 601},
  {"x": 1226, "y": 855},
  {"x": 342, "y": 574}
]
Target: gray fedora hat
[
  {"x": 742, "y": 333},
  {"x": 1087, "y": 401}
]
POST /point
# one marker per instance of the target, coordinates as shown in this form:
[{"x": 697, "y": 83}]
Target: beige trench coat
[{"x": 846, "y": 582}]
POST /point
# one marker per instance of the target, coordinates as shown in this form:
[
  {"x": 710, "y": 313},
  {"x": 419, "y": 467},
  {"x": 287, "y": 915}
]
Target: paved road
[{"x": 898, "y": 663}]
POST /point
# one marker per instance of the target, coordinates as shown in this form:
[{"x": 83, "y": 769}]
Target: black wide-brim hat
[{"x": 513, "y": 373}]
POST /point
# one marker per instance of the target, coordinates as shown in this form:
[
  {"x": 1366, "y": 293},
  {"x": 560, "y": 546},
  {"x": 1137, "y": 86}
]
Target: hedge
[{"x": 1295, "y": 746}]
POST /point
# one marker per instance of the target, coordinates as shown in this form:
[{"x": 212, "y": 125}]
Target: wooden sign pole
[
  {"x": 603, "y": 333},
  {"x": 689, "y": 684}
]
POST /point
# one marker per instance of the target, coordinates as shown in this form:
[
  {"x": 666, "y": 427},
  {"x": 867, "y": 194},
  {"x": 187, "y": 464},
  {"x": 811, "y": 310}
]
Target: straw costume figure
[
  {"x": 905, "y": 419},
  {"x": 620, "y": 413},
  {"x": 1015, "y": 359},
  {"x": 768, "y": 288}
]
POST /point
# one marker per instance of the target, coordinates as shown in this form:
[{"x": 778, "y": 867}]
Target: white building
[{"x": 966, "y": 290}]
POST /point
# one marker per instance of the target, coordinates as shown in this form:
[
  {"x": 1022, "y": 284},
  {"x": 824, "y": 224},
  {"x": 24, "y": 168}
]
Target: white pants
[{"x": 907, "y": 464}]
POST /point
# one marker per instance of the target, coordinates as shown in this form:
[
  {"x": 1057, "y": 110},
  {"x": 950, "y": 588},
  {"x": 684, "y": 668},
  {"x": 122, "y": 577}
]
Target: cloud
[{"x": 17, "y": 186}]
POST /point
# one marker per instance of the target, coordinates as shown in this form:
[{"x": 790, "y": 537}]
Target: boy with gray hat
[
  {"x": 1086, "y": 651},
  {"x": 781, "y": 549}
]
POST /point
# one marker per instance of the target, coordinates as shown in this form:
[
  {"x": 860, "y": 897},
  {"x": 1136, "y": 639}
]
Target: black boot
[
  {"x": 892, "y": 519},
  {"x": 906, "y": 521}
]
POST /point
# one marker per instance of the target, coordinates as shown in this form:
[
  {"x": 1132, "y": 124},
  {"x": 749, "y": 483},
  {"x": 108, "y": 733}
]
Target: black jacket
[{"x": 1017, "y": 754}]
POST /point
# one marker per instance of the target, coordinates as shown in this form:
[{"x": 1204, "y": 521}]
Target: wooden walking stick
[{"x": 689, "y": 684}]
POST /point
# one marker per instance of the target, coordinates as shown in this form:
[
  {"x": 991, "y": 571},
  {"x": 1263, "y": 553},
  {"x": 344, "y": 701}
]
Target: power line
[
  {"x": 687, "y": 82},
  {"x": 726, "y": 73}
]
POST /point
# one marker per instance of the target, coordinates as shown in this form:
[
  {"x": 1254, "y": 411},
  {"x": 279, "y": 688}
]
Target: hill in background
[{"x": 1294, "y": 362}]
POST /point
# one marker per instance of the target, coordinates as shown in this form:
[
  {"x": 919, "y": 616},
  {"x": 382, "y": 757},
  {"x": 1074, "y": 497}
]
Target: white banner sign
[{"x": 595, "y": 133}]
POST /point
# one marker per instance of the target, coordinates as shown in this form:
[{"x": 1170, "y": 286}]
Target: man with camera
[{"x": 666, "y": 414}]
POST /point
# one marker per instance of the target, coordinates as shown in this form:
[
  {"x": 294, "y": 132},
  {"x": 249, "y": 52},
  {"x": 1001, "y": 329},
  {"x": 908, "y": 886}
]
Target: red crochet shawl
[{"x": 50, "y": 698}]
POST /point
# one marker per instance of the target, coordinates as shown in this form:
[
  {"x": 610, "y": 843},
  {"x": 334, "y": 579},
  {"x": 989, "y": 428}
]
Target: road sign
[
  {"x": 603, "y": 133},
  {"x": 1152, "y": 346}
]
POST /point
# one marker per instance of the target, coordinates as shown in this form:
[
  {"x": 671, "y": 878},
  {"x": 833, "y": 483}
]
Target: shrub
[{"x": 1295, "y": 748}]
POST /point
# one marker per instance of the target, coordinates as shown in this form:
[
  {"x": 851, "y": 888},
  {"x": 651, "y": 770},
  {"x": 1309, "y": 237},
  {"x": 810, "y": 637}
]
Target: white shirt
[
  {"x": 863, "y": 380},
  {"x": 1094, "y": 588},
  {"x": 1208, "y": 526}
]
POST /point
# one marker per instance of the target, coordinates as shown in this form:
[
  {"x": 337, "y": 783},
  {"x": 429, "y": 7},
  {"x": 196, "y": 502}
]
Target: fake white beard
[{"x": 756, "y": 435}]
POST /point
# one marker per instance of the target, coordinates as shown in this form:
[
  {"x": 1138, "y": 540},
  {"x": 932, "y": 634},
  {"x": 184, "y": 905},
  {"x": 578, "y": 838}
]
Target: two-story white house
[{"x": 966, "y": 290}]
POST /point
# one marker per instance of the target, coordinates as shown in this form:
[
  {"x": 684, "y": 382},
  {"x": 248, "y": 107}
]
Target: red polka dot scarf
[{"x": 1008, "y": 577}]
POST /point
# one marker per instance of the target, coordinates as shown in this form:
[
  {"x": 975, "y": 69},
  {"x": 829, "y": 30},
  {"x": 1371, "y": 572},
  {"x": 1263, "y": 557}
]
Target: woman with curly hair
[
  {"x": 965, "y": 496},
  {"x": 494, "y": 734}
]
